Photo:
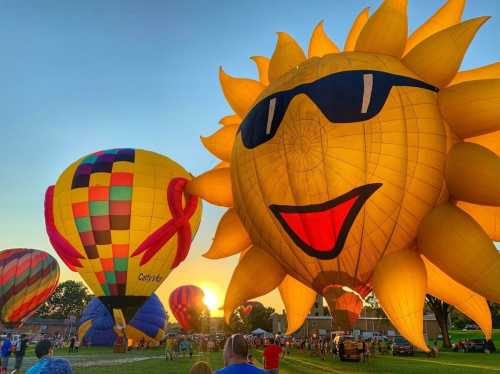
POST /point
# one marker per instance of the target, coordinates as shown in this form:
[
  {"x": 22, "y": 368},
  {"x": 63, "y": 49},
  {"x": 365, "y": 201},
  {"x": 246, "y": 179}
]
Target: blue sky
[{"x": 79, "y": 76}]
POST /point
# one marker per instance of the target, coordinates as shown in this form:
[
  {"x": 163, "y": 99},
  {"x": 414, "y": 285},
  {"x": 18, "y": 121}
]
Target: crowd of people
[
  {"x": 468, "y": 345},
  {"x": 176, "y": 347},
  {"x": 239, "y": 360},
  {"x": 44, "y": 350},
  {"x": 18, "y": 350},
  {"x": 236, "y": 351}
]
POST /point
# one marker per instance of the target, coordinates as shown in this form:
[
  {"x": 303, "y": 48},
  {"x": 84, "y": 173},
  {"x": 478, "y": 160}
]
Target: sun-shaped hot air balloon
[
  {"x": 372, "y": 168},
  {"x": 121, "y": 219},
  {"x": 27, "y": 279},
  {"x": 187, "y": 306}
]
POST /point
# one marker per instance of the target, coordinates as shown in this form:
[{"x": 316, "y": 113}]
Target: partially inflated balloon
[
  {"x": 150, "y": 321},
  {"x": 186, "y": 304},
  {"x": 347, "y": 310},
  {"x": 248, "y": 307},
  {"x": 27, "y": 279},
  {"x": 97, "y": 325},
  {"x": 121, "y": 219}
]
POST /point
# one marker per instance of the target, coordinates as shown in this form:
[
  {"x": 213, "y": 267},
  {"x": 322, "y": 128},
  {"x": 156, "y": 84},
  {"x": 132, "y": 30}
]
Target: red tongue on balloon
[{"x": 319, "y": 230}]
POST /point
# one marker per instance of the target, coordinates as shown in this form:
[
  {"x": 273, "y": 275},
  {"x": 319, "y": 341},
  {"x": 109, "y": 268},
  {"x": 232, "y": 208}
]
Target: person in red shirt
[{"x": 272, "y": 357}]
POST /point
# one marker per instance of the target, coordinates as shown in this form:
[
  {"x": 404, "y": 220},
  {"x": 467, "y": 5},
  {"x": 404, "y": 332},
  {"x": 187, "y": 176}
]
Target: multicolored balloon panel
[
  {"x": 97, "y": 324},
  {"x": 186, "y": 302},
  {"x": 120, "y": 218},
  {"x": 27, "y": 278}
]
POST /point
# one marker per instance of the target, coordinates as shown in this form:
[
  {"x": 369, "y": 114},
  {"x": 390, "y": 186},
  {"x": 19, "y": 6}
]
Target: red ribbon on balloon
[
  {"x": 70, "y": 256},
  {"x": 179, "y": 223}
]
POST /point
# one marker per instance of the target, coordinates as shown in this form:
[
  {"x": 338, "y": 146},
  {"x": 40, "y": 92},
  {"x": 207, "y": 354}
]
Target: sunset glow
[{"x": 211, "y": 299}]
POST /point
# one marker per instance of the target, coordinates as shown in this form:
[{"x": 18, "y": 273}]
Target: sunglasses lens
[
  {"x": 345, "y": 97},
  {"x": 262, "y": 122},
  {"x": 339, "y": 96}
]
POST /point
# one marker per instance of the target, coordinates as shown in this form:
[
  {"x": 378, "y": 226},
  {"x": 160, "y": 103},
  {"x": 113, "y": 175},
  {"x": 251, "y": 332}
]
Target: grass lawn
[
  {"x": 459, "y": 363},
  {"x": 102, "y": 360}
]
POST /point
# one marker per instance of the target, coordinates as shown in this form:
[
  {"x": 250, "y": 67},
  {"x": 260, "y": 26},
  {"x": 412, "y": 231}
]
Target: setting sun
[{"x": 211, "y": 300}]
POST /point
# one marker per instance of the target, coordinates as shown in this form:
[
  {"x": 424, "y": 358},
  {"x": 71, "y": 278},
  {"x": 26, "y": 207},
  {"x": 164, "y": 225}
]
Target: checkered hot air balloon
[
  {"x": 27, "y": 279},
  {"x": 187, "y": 306},
  {"x": 120, "y": 218}
]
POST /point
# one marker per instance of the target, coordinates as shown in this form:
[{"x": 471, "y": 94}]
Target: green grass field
[
  {"x": 459, "y": 363},
  {"x": 102, "y": 360}
]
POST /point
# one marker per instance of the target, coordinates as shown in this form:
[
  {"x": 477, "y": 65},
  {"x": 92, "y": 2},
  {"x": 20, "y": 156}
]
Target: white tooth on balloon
[
  {"x": 367, "y": 91},
  {"x": 270, "y": 115}
]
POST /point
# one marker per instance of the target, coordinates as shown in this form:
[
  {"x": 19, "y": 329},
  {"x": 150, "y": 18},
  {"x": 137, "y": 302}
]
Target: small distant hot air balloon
[
  {"x": 248, "y": 307},
  {"x": 27, "y": 279},
  {"x": 121, "y": 219},
  {"x": 186, "y": 304},
  {"x": 97, "y": 325},
  {"x": 347, "y": 310}
]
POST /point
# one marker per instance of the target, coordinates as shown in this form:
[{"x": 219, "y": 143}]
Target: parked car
[
  {"x": 401, "y": 346},
  {"x": 347, "y": 348},
  {"x": 475, "y": 345},
  {"x": 470, "y": 326}
]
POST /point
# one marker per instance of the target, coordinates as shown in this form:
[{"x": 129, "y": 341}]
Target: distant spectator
[
  {"x": 341, "y": 349},
  {"x": 184, "y": 347},
  {"x": 250, "y": 359},
  {"x": 235, "y": 357},
  {"x": 142, "y": 343},
  {"x": 5, "y": 353},
  {"x": 71, "y": 344},
  {"x": 46, "y": 363},
  {"x": 489, "y": 346},
  {"x": 434, "y": 350},
  {"x": 21, "y": 346},
  {"x": 77, "y": 344},
  {"x": 272, "y": 357},
  {"x": 169, "y": 348},
  {"x": 190, "y": 349},
  {"x": 177, "y": 348},
  {"x": 201, "y": 367}
]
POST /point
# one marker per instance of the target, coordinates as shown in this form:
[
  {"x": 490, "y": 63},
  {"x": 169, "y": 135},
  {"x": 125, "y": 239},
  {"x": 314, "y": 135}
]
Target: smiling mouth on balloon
[{"x": 321, "y": 230}]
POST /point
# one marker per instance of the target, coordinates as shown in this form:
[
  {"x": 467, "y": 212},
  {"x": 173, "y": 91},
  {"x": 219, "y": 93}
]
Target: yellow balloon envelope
[
  {"x": 121, "y": 219},
  {"x": 346, "y": 167}
]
